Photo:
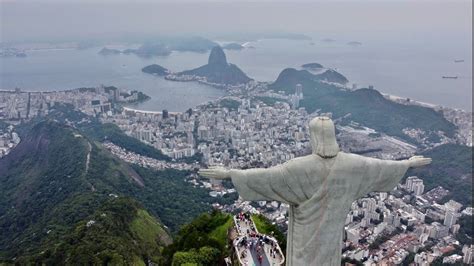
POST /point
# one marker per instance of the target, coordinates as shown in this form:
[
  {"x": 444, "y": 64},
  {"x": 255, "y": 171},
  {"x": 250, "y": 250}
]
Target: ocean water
[
  {"x": 411, "y": 68},
  {"x": 48, "y": 70},
  {"x": 408, "y": 67}
]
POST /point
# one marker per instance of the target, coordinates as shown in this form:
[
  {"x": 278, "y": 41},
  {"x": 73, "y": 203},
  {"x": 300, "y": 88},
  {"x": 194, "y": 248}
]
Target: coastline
[
  {"x": 403, "y": 100},
  {"x": 396, "y": 98},
  {"x": 97, "y": 98},
  {"x": 128, "y": 109},
  {"x": 391, "y": 97}
]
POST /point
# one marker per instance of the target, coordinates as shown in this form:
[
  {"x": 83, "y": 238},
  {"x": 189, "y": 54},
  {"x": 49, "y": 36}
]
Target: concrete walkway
[{"x": 246, "y": 252}]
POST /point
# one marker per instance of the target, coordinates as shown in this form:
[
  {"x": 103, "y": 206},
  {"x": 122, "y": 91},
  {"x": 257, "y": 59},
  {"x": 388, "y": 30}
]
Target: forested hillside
[
  {"x": 365, "y": 106},
  {"x": 119, "y": 232},
  {"x": 58, "y": 176},
  {"x": 452, "y": 174}
]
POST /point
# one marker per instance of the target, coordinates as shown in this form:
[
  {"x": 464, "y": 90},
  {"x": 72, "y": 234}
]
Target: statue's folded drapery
[{"x": 320, "y": 192}]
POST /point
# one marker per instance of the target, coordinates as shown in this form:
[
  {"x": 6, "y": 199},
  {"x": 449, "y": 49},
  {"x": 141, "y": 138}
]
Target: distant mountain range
[
  {"x": 165, "y": 46},
  {"x": 253, "y": 36}
]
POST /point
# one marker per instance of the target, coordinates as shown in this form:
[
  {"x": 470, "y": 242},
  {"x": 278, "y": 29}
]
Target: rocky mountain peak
[{"x": 217, "y": 56}]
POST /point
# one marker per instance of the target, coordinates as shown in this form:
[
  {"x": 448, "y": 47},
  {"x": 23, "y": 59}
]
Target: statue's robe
[{"x": 320, "y": 193}]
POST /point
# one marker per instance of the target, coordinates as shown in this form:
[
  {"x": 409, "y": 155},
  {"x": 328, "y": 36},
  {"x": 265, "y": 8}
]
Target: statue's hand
[
  {"x": 216, "y": 172},
  {"x": 418, "y": 161}
]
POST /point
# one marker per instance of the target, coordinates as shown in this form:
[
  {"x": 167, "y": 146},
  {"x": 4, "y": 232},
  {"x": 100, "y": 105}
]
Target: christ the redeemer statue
[{"x": 320, "y": 189}]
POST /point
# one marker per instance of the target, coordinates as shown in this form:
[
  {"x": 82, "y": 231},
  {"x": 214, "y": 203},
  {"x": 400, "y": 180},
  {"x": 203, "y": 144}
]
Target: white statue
[{"x": 320, "y": 189}]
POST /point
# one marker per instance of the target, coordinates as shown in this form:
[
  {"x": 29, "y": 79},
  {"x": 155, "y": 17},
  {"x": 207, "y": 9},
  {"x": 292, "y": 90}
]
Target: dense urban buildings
[{"x": 255, "y": 127}]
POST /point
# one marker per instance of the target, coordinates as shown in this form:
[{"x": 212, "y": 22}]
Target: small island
[
  {"x": 12, "y": 52},
  {"x": 355, "y": 44},
  {"x": 164, "y": 46},
  {"x": 151, "y": 49},
  {"x": 156, "y": 70},
  {"x": 328, "y": 40},
  {"x": 146, "y": 50},
  {"x": 312, "y": 66},
  {"x": 108, "y": 51},
  {"x": 233, "y": 46}
]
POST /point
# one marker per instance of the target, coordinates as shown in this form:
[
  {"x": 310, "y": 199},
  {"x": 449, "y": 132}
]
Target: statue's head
[{"x": 323, "y": 137}]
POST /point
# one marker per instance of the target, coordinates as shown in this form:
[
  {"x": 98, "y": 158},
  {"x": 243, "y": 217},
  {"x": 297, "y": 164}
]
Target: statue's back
[{"x": 305, "y": 175}]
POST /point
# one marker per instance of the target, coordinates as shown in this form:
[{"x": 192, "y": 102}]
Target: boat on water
[
  {"x": 450, "y": 77},
  {"x": 458, "y": 61}
]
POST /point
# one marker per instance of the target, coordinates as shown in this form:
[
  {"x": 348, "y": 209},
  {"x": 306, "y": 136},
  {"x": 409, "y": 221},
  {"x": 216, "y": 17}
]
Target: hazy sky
[{"x": 50, "y": 20}]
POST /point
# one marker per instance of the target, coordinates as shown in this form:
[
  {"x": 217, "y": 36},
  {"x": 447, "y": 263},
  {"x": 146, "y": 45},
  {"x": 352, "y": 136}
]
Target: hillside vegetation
[
  {"x": 452, "y": 169},
  {"x": 41, "y": 173},
  {"x": 205, "y": 241},
  {"x": 365, "y": 106},
  {"x": 91, "y": 127},
  {"x": 120, "y": 232},
  {"x": 48, "y": 184},
  {"x": 201, "y": 242},
  {"x": 58, "y": 176},
  {"x": 111, "y": 132},
  {"x": 265, "y": 226}
]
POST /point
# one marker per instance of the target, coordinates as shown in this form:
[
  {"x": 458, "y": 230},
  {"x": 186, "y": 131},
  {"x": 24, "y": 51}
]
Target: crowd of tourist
[{"x": 254, "y": 243}]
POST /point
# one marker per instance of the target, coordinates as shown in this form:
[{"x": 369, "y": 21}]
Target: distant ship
[
  {"x": 450, "y": 77},
  {"x": 458, "y": 61}
]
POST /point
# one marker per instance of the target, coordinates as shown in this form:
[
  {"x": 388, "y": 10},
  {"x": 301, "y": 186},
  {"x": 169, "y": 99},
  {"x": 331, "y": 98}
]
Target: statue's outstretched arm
[
  {"x": 255, "y": 184},
  {"x": 216, "y": 172},
  {"x": 384, "y": 175},
  {"x": 219, "y": 172},
  {"x": 417, "y": 161}
]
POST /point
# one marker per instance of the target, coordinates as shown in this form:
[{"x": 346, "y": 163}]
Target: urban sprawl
[{"x": 253, "y": 127}]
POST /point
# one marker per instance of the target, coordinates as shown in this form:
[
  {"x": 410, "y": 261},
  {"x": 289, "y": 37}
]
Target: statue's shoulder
[
  {"x": 299, "y": 161},
  {"x": 343, "y": 156}
]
